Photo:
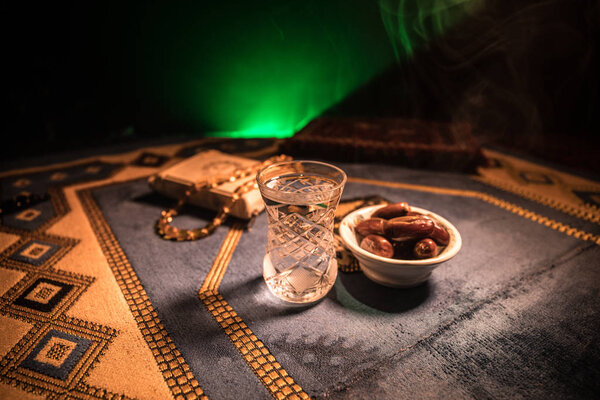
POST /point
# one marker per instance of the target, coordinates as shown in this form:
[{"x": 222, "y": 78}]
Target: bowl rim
[{"x": 450, "y": 251}]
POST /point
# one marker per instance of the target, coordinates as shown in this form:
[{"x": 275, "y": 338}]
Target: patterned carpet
[{"x": 94, "y": 305}]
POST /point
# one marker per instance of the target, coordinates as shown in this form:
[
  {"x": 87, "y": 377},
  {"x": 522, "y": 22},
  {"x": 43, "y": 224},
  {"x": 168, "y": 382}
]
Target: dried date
[
  {"x": 377, "y": 245},
  {"x": 392, "y": 211},
  {"x": 371, "y": 226},
  {"x": 425, "y": 248},
  {"x": 440, "y": 234},
  {"x": 395, "y": 231},
  {"x": 408, "y": 228}
]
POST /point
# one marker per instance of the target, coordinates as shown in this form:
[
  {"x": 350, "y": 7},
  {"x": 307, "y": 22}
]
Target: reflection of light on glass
[{"x": 301, "y": 197}]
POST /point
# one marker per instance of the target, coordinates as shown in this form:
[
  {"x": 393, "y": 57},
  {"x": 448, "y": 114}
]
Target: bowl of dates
[{"x": 399, "y": 245}]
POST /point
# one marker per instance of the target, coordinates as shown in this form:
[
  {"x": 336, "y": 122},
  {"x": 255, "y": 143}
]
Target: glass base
[{"x": 301, "y": 284}]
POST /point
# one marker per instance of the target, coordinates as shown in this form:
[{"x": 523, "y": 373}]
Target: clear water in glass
[{"x": 300, "y": 264}]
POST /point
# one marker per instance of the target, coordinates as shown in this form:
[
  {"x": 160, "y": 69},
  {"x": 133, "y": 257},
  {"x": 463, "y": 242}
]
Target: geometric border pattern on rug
[
  {"x": 55, "y": 357},
  {"x": 59, "y": 205},
  {"x": 57, "y": 337},
  {"x": 524, "y": 183},
  {"x": 585, "y": 211},
  {"x": 49, "y": 181},
  {"x": 36, "y": 252},
  {"x": 127, "y": 279},
  {"x": 591, "y": 198},
  {"x": 275, "y": 379},
  {"x": 175, "y": 370},
  {"x": 43, "y": 296},
  {"x": 258, "y": 357}
]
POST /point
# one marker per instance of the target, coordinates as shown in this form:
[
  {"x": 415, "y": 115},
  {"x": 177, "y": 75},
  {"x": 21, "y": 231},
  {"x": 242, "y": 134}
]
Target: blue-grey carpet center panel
[{"x": 359, "y": 327}]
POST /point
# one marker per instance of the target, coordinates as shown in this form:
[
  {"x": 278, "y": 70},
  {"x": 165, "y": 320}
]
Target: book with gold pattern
[{"x": 207, "y": 166}]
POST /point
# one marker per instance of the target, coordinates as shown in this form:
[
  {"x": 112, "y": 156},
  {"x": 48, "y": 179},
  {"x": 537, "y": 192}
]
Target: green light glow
[
  {"x": 249, "y": 71},
  {"x": 235, "y": 69}
]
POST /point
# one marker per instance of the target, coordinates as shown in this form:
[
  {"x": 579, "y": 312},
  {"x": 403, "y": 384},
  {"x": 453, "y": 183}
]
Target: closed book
[{"x": 206, "y": 167}]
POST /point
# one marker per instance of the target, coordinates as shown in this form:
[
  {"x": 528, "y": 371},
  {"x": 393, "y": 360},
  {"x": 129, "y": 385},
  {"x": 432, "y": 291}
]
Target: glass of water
[{"x": 300, "y": 197}]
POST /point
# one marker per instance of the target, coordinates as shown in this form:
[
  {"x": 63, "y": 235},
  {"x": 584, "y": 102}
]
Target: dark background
[{"x": 524, "y": 73}]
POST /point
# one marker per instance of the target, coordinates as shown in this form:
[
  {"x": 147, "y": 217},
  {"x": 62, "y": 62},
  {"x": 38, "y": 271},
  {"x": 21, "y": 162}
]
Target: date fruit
[
  {"x": 371, "y": 226},
  {"x": 407, "y": 228},
  {"x": 392, "y": 211},
  {"x": 425, "y": 248},
  {"x": 439, "y": 234},
  {"x": 396, "y": 231},
  {"x": 377, "y": 245}
]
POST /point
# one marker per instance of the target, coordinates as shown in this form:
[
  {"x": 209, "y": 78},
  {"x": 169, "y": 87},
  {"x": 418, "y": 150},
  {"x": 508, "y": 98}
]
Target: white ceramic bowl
[{"x": 393, "y": 272}]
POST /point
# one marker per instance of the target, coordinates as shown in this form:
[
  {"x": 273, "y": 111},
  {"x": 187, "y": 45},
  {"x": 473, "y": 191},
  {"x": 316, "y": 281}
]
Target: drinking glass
[{"x": 300, "y": 265}]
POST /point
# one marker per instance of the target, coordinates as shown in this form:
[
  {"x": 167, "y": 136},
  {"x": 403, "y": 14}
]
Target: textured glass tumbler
[{"x": 300, "y": 197}]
